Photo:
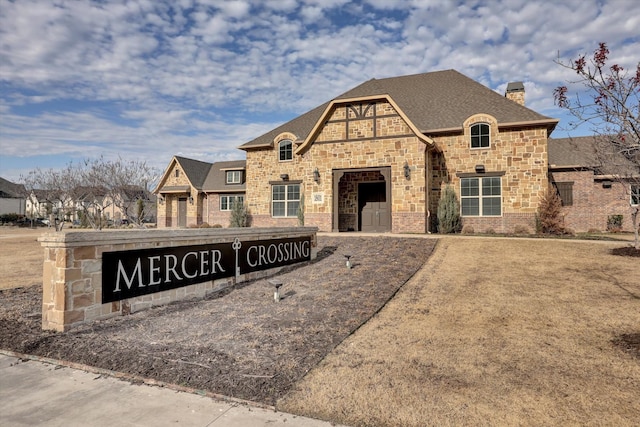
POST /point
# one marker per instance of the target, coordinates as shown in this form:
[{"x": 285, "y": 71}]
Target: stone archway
[{"x": 362, "y": 199}]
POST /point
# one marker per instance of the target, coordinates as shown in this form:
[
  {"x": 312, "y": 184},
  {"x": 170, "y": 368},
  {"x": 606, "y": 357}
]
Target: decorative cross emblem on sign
[{"x": 236, "y": 247}]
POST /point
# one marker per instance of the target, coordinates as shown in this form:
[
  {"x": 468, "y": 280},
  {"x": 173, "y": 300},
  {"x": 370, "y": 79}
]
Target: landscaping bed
[{"x": 238, "y": 342}]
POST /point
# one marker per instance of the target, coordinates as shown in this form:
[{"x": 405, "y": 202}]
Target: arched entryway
[{"x": 362, "y": 199}]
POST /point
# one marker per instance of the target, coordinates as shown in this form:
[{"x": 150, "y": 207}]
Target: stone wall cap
[{"x": 104, "y": 237}]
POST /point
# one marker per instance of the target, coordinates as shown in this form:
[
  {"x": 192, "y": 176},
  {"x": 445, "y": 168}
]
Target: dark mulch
[
  {"x": 626, "y": 251},
  {"x": 239, "y": 342}
]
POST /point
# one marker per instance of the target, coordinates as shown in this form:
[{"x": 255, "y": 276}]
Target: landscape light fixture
[
  {"x": 349, "y": 265},
  {"x": 407, "y": 170},
  {"x": 277, "y": 284},
  {"x": 191, "y": 200},
  {"x": 316, "y": 175},
  {"x": 161, "y": 200}
]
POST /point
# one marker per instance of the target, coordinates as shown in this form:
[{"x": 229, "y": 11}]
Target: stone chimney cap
[{"x": 515, "y": 87}]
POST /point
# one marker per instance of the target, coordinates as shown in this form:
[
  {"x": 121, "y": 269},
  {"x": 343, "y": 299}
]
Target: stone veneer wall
[
  {"x": 168, "y": 210},
  {"x": 520, "y": 153},
  {"x": 72, "y": 269},
  {"x": 374, "y": 135},
  {"x": 593, "y": 204}
]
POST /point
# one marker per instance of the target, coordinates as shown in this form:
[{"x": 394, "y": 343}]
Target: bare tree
[
  {"x": 91, "y": 187},
  {"x": 53, "y": 188},
  {"x": 612, "y": 108}
]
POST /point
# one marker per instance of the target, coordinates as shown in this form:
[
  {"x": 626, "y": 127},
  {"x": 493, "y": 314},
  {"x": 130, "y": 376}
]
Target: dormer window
[
  {"x": 480, "y": 135},
  {"x": 285, "y": 150},
  {"x": 234, "y": 177}
]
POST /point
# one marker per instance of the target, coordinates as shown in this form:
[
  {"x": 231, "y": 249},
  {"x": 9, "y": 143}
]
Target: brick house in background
[
  {"x": 191, "y": 192},
  {"x": 592, "y": 186},
  {"x": 377, "y": 157}
]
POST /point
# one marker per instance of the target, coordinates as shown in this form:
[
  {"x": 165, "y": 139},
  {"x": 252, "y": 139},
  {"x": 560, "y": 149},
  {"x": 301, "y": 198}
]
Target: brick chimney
[{"x": 515, "y": 92}]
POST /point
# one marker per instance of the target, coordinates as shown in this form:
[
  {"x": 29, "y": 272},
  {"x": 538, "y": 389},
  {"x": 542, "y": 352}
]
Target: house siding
[{"x": 592, "y": 203}]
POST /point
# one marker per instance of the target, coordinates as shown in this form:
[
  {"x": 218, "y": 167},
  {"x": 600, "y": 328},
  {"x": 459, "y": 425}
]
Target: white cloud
[{"x": 194, "y": 71}]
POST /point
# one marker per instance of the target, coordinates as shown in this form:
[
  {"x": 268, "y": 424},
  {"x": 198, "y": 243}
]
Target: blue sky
[{"x": 149, "y": 79}]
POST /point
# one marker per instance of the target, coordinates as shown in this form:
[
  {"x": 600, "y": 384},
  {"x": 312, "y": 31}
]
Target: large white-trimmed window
[
  {"x": 234, "y": 177},
  {"x": 481, "y": 196},
  {"x": 635, "y": 194},
  {"x": 285, "y": 150},
  {"x": 285, "y": 200},
  {"x": 480, "y": 135},
  {"x": 226, "y": 201}
]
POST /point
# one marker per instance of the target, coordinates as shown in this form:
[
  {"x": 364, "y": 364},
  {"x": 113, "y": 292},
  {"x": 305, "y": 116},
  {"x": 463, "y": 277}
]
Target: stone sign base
[{"x": 73, "y": 262}]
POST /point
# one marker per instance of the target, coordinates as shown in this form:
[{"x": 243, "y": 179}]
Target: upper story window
[
  {"x": 635, "y": 194},
  {"x": 234, "y": 177},
  {"x": 285, "y": 150},
  {"x": 480, "y": 135}
]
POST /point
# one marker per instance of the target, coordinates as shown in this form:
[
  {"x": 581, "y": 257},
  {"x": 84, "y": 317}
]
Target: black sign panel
[{"x": 127, "y": 274}]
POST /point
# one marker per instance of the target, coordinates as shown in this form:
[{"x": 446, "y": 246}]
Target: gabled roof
[
  {"x": 216, "y": 180},
  {"x": 195, "y": 170},
  {"x": 204, "y": 176},
  {"x": 10, "y": 190},
  {"x": 589, "y": 152},
  {"x": 434, "y": 102}
]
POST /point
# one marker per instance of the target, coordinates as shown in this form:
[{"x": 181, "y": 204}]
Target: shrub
[
  {"x": 239, "y": 215},
  {"x": 216, "y": 226},
  {"x": 614, "y": 223},
  {"x": 449, "y": 212},
  {"x": 490, "y": 231},
  {"x": 468, "y": 229},
  {"x": 549, "y": 219}
]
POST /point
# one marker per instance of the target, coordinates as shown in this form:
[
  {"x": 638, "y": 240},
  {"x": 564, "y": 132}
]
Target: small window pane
[
  {"x": 292, "y": 208},
  {"x": 635, "y": 194},
  {"x": 224, "y": 203},
  {"x": 491, "y": 186},
  {"x": 278, "y": 209},
  {"x": 293, "y": 192},
  {"x": 491, "y": 206},
  {"x": 278, "y": 192},
  {"x": 469, "y": 187},
  {"x": 470, "y": 207},
  {"x": 285, "y": 150}
]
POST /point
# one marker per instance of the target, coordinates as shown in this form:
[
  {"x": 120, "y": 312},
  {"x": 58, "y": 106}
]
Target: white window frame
[
  {"x": 226, "y": 201},
  {"x": 634, "y": 191},
  {"x": 290, "y": 204},
  {"x": 234, "y": 177},
  {"x": 480, "y": 196},
  {"x": 480, "y": 136},
  {"x": 282, "y": 149}
]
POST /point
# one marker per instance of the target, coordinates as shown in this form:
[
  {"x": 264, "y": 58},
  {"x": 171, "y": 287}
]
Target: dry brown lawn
[
  {"x": 21, "y": 257},
  {"x": 491, "y": 332}
]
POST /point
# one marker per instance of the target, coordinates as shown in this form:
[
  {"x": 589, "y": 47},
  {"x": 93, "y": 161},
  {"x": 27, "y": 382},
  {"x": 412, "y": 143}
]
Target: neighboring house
[
  {"x": 12, "y": 198},
  {"x": 377, "y": 157},
  {"x": 192, "y": 193},
  {"x": 594, "y": 183}
]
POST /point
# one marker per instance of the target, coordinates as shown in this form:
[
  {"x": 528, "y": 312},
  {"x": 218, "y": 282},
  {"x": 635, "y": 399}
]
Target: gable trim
[{"x": 325, "y": 115}]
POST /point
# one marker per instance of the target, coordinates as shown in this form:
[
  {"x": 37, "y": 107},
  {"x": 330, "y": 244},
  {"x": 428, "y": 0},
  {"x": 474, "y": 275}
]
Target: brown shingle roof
[
  {"x": 434, "y": 102},
  {"x": 589, "y": 152},
  {"x": 195, "y": 170},
  {"x": 216, "y": 180}
]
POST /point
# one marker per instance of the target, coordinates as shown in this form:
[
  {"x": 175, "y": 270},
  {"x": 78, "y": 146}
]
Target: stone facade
[
  {"x": 593, "y": 201},
  {"x": 518, "y": 155},
  {"x": 359, "y": 139},
  {"x": 72, "y": 269}
]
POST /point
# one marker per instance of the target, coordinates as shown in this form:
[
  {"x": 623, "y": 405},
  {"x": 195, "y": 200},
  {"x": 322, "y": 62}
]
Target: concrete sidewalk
[{"x": 34, "y": 393}]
